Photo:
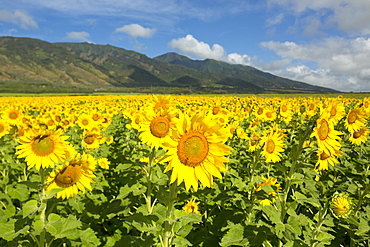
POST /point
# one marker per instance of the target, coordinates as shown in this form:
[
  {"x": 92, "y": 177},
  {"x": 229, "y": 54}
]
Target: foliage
[{"x": 132, "y": 202}]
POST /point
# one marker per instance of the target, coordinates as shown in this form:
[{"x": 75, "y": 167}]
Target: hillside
[{"x": 83, "y": 66}]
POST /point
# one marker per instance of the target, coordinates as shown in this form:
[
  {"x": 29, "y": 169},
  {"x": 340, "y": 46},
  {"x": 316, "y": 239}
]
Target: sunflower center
[
  {"x": 2, "y": 128},
  {"x": 89, "y": 139},
  {"x": 160, "y": 126},
  {"x": 259, "y": 111},
  {"x": 215, "y": 110},
  {"x": 95, "y": 117},
  {"x": 323, "y": 131},
  {"x": 13, "y": 115},
  {"x": 284, "y": 108},
  {"x": 192, "y": 148},
  {"x": 324, "y": 156},
  {"x": 352, "y": 117},
  {"x": 270, "y": 146},
  {"x": 356, "y": 134},
  {"x": 333, "y": 111},
  {"x": 42, "y": 145},
  {"x": 68, "y": 176},
  {"x": 269, "y": 114},
  {"x": 85, "y": 122}
]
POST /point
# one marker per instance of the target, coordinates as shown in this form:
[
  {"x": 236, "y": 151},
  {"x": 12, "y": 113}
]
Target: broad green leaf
[
  {"x": 363, "y": 227},
  {"x": 29, "y": 207},
  {"x": 19, "y": 192},
  {"x": 63, "y": 227},
  {"x": 88, "y": 238},
  {"x": 234, "y": 235},
  {"x": 7, "y": 230}
]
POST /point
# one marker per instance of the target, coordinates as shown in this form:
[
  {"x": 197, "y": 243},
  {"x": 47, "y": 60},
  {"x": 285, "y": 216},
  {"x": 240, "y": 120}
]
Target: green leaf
[
  {"x": 181, "y": 241},
  {"x": 234, "y": 235},
  {"x": 88, "y": 238},
  {"x": 63, "y": 227},
  {"x": 7, "y": 230},
  {"x": 38, "y": 225},
  {"x": 363, "y": 227},
  {"x": 19, "y": 192},
  {"x": 29, "y": 207}
]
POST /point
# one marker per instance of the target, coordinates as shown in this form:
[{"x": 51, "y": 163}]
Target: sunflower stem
[
  {"x": 148, "y": 196},
  {"x": 322, "y": 215},
  {"x": 43, "y": 205},
  {"x": 168, "y": 225}
]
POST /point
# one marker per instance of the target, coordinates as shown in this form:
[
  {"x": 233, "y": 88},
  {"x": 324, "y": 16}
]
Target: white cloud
[
  {"x": 351, "y": 16},
  {"x": 340, "y": 62},
  {"x": 19, "y": 18},
  {"x": 136, "y": 30},
  {"x": 198, "y": 49},
  {"x": 80, "y": 36}
]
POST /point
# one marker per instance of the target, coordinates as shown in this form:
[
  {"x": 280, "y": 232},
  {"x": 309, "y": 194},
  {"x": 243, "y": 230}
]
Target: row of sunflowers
[{"x": 119, "y": 169}]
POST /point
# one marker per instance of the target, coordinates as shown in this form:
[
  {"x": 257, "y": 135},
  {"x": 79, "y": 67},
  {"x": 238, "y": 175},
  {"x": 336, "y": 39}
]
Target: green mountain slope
[
  {"x": 246, "y": 73},
  {"x": 105, "y": 67}
]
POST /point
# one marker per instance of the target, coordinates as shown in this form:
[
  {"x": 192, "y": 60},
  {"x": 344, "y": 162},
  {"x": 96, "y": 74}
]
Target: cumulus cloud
[
  {"x": 351, "y": 16},
  {"x": 136, "y": 30},
  {"x": 198, "y": 49},
  {"x": 19, "y": 18},
  {"x": 341, "y": 62},
  {"x": 80, "y": 36}
]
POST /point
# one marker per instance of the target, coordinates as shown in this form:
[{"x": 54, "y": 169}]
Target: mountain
[
  {"x": 246, "y": 73},
  {"x": 34, "y": 65}
]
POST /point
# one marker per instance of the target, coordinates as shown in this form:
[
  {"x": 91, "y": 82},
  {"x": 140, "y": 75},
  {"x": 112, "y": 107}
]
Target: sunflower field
[{"x": 161, "y": 170}]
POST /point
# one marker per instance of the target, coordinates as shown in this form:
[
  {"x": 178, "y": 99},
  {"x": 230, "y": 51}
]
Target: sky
[{"x": 320, "y": 42}]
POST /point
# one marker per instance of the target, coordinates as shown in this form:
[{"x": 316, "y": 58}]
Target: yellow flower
[
  {"x": 272, "y": 192},
  {"x": 196, "y": 151},
  {"x": 254, "y": 142},
  {"x": 4, "y": 128},
  {"x": 155, "y": 128},
  {"x": 72, "y": 176},
  {"x": 86, "y": 122},
  {"x": 356, "y": 119},
  {"x": 327, "y": 137},
  {"x": 13, "y": 116},
  {"x": 273, "y": 146},
  {"x": 42, "y": 148},
  {"x": 191, "y": 207},
  {"x": 325, "y": 159},
  {"x": 104, "y": 163},
  {"x": 341, "y": 205},
  {"x": 360, "y": 136}
]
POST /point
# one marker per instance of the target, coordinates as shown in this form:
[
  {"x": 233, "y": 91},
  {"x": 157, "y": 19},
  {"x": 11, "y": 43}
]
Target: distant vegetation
[{"x": 34, "y": 66}]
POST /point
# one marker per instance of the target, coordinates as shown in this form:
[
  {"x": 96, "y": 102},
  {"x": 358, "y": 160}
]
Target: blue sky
[{"x": 321, "y": 42}]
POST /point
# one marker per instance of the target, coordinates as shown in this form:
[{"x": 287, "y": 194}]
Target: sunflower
[
  {"x": 13, "y": 116},
  {"x": 254, "y": 142},
  {"x": 356, "y": 119},
  {"x": 72, "y": 176},
  {"x": 42, "y": 148},
  {"x": 86, "y": 122},
  {"x": 360, "y": 136},
  {"x": 324, "y": 160},
  {"x": 4, "y": 128},
  {"x": 191, "y": 207},
  {"x": 155, "y": 128},
  {"x": 268, "y": 185},
  {"x": 196, "y": 151},
  {"x": 273, "y": 146},
  {"x": 103, "y": 163},
  {"x": 336, "y": 111},
  {"x": 341, "y": 205},
  {"x": 327, "y": 137}
]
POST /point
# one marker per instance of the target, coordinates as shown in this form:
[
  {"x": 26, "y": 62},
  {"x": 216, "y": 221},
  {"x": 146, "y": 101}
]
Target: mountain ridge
[{"x": 62, "y": 64}]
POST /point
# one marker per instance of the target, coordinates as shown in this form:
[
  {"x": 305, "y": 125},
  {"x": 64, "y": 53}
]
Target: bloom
[
  {"x": 356, "y": 119},
  {"x": 360, "y": 136},
  {"x": 42, "y": 148},
  {"x": 196, "y": 151},
  {"x": 267, "y": 185},
  {"x": 72, "y": 176},
  {"x": 274, "y": 146},
  {"x": 191, "y": 207},
  {"x": 327, "y": 137},
  {"x": 341, "y": 205}
]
